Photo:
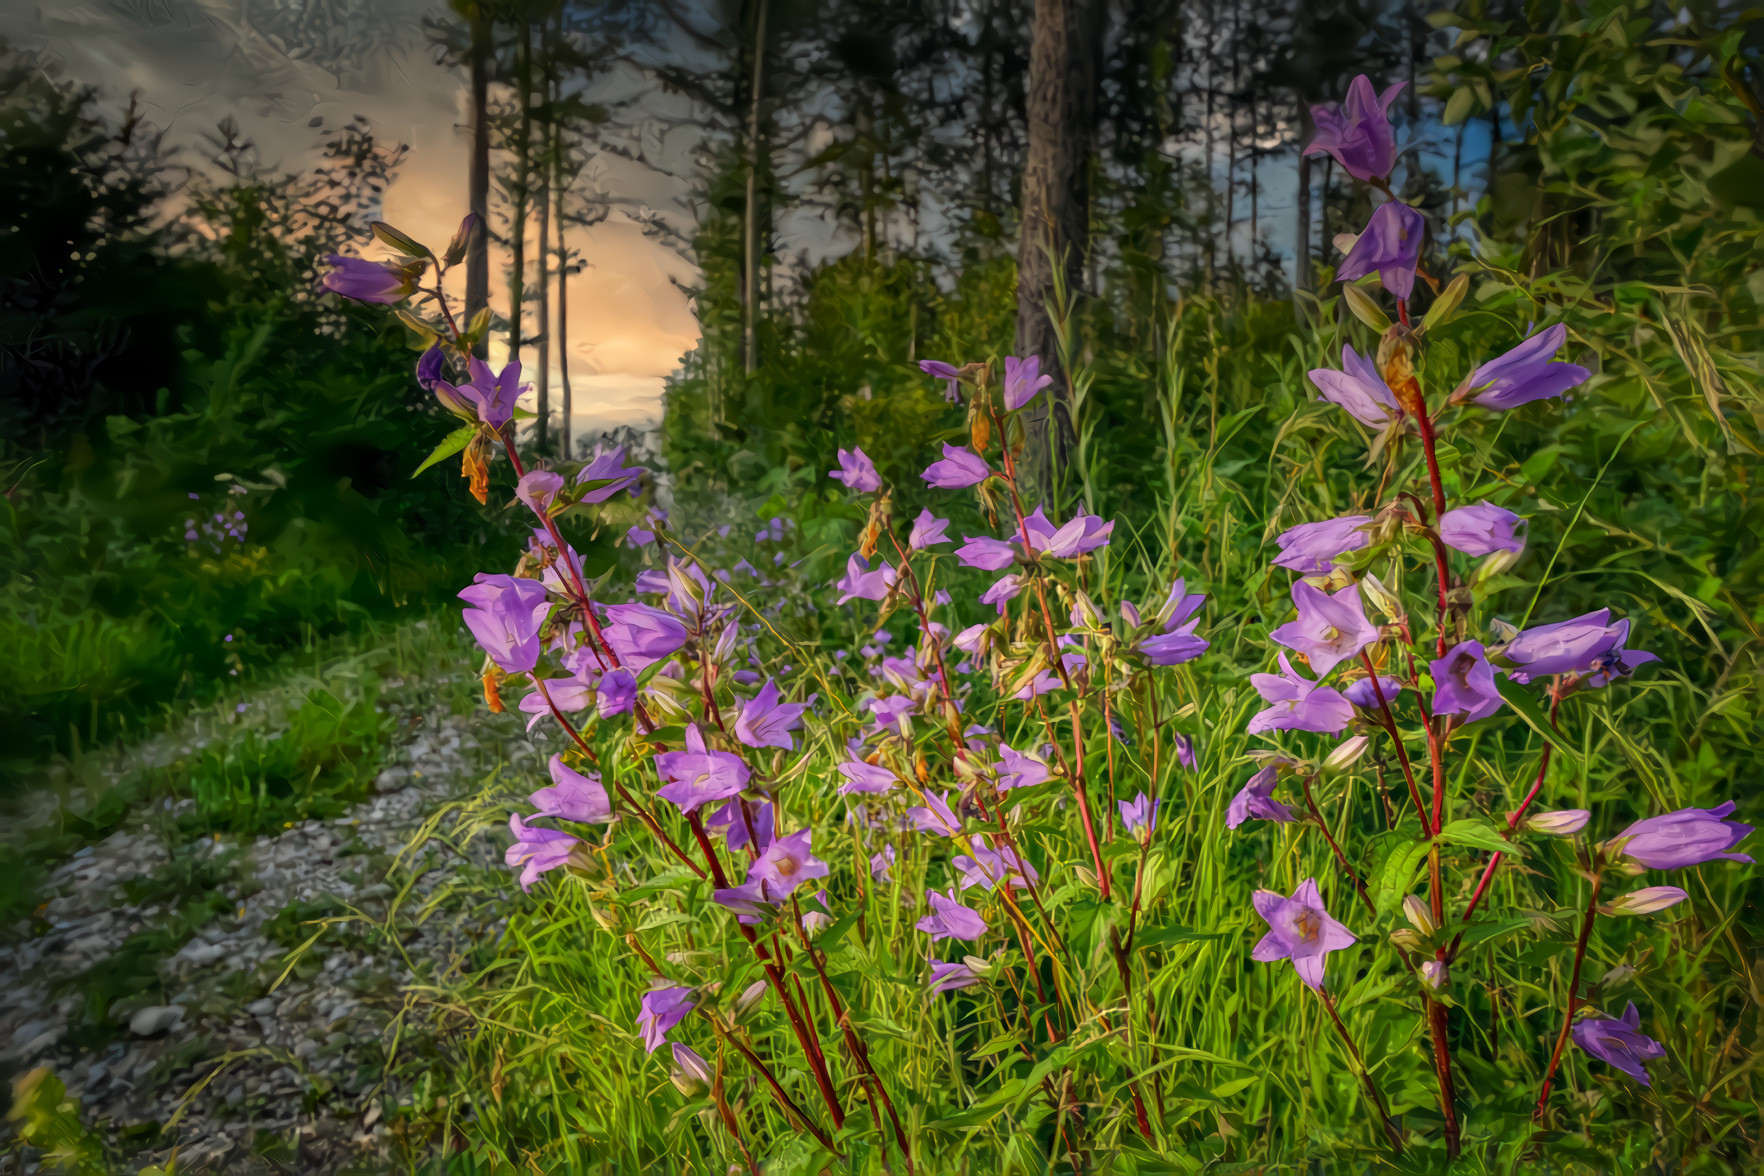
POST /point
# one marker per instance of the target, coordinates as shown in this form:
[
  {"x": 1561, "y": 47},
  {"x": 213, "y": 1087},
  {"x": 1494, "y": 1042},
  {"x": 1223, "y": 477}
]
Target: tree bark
[
  {"x": 1301, "y": 251},
  {"x": 750, "y": 247},
  {"x": 477, "y": 292},
  {"x": 517, "y": 228},
  {"x": 563, "y": 276},
  {"x": 1056, "y": 179}
]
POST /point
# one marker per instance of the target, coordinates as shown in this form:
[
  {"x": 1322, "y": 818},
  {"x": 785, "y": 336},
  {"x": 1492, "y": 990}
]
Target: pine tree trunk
[
  {"x": 563, "y": 275},
  {"x": 477, "y": 293},
  {"x": 750, "y": 212},
  {"x": 541, "y": 236},
  {"x": 1061, "y": 117},
  {"x": 517, "y": 228},
  {"x": 1301, "y": 251}
]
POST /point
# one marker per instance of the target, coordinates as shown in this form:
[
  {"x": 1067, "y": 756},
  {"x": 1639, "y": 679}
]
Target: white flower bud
[
  {"x": 1415, "y": 910},
  {"x": 1647, "y": 900},
  {"x": 1345, "y": 754},
  {"x": 1559, "y": 823},
  {"x": 750, "y": 996}
]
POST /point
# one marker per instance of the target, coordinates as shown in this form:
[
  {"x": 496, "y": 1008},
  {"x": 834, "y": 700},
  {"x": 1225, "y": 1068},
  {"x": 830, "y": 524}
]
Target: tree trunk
[
  {"x": 477, "y": 295},
  {"x": 517, "y": 228},
  {"x": 1061, "y": 119},
  {"x": 543, "y": 234},
  {"x": 563, "y": 276},
  {"x": 750, "y": 212}
]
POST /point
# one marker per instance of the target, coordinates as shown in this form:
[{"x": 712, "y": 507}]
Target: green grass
[{"x": 1628, "y": 508}]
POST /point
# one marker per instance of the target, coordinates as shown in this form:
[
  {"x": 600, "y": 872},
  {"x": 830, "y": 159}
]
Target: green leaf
[
  {"x": 1526, "y": 706},
  {"x": 1473, "y": 833},
  {"x": 1459, "y": 106},
  {"x": 662, "y": 917},
  {"x": 450, "y": 445},
  {"x": 1482, "y": 932},
  {"x": 1398, "y": 871},
  {"x": 406, "y": 245}
]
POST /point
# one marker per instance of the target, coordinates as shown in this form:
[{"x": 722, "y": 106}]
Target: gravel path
[{"x": 260, "y": 1060}]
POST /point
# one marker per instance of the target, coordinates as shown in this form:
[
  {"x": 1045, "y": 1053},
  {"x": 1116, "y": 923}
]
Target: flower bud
[
  {"x": 1406, "y": 939},
  {"x": 1559, "y": 823},
  {"x": 750, "y": 998},
  {"x": 1415, "y": 910},
  {"x": 1346, "y": 753},
  {"x": 1497, "y": 563},
  {"x": 691, "y": 1073},
  {"x": 1130, "y": 614},
  {"x": 1647, "y": 900},
  {"x": 1382, "y": 598},
  {"x": 1435, "y": 974},
  {"x": 1085, "y": 614}
]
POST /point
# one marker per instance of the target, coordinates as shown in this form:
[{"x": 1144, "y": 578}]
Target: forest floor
[{"x": 245, "y": 1003}]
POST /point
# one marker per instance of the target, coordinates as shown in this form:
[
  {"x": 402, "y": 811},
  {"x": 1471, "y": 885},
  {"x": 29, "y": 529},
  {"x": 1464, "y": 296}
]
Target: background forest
[{"x": 208, "y": 462}]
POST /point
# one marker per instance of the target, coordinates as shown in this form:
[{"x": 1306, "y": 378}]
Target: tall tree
[
  {"x": 481, "y": 32},
  {"x": 1056, "y": 204}
]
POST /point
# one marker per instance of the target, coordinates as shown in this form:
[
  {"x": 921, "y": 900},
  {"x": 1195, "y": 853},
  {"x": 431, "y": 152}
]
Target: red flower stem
[
  {"x": 1317, "y": 815},
  {"x": 1365, "y": 1076},
  {"x": 1053, "y": 653},
  {"x": 860, "y": 1053},
  {"x": 1592, "y": 910},
  {"x": 642, "y": 811},
  {"x": 810, "y": 1046},
  {"x": 1397, "y": 741},
  {"x": 1513, "y": 819},
  {"x": 789, "y": 1105}
]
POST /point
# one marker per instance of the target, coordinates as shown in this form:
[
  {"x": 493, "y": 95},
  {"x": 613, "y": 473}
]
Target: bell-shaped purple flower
[
  {"x": 573, "y": 796},
  {"x": 986, "y": 553},
  {"x": 697, "y": 775},
  {"x": 642, "y": 634},
  {"x": 1256, "y": 799},
  {"x": 990, "y": 866},
  {"x": 660, "y": 1010},
  {"x": 1022, "y": 380},
  {"x": 608, "y": 467},
  {"x": 766, "y": 722},
  {"x": 1177, "y": 643},
  {"x": 1464, "y": 683},
  {"x": 1482, "y": 529},
  {"x": 1688, "y": 837},
  {"x": 947, "y": 976},
  {"x": 786, "y": 864},
  {"x": 1297, "y": 704},
  {"x": 928, "y": 531},
  {"x": 857, "y": 471},
  {"x": 1003, "y": 589},
  {"x": 1361, "y": 694},
  {"x": 1358, "y": 132},
  {"x": 1139, "y": 815},
  {"x": 1300, "y": 930},
  {"x": 1017, "y": 770},
  {"x": 949, "y": 919},
  {"x": 1081, "y": 535},
  {"x": 881, "y": 862},
  {"x": 538, "y": 488},
  {"x": 536, "y": 850},
  {"x": 1329, "y": 629},
  {"x": 492, "y": 396},
  {"x": 1565, "y": 647},
  {"x": 935, "y": 816},
  {"x": 431, "y": 367},
  {"x": 1184, "y": 750},
  {"x": 1390, "y": 247},
  {"x": 959, "y": 468},
  {"x": 733, "y": 821},
  {"x": 1358, "y": 389},
  {"x": 568, "y": 695},
  {"x": 948, "y": 373},
  {"x": 384, "y": 283},
  {"x": 1619, "y": 1042},
  {"x": 863, "y": 777},
  {"x": 507, "y": 619},
  {"x": 860, "y": 583},
  {"x": 1528, "y": 372},
  {"x": 1309, "y": 547},
  {"x": 616, "y": 693}
]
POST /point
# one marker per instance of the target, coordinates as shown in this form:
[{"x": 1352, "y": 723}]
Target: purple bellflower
[
  {"x": 1003, "y": 589},
  {"x": 493, "y": 396},
  {"x": 1688, "y": 837},
  {"x": 860, "y": 583},
  {"x": 1358, "y": 132},
  {"x": 536, "y": 850},
  {"x": 947, "y": 976},
  {"x": 696, "y": 776},
  {"x": 766, "y": 722},
  {"x": 1081, "y": 535},
  {"x": 507, "y": 619},
  {"x": 661, "y": 1010},
  {"x": 1022, "y": 380},
  {"x": 948, "y": 373},
  {"x": 608, "y": 466},
  {"x": 1329, "y": 629},
  {"x": 1300, "y": 930},
  {"x": 616, "y": 693},
  {"x": 537, "y": 488},
  {"x": 1358, "y": 389},
  {"x": 935, "y": 816},
  {"x": 1390, "y": 246},
  {"x": 857, "y": 471},
  {"x": 986, "y": 553},
  {"x": 1482, "y": 529},
  {"x": 573, "y": 796},
  {"x": 1309, "y": 547},
  {"x": 1017, "y": 770},
  {"x": 989, "y": 866},
  {"x": 949, "y": 919},
  {"x": 1464, "y": 683},
  {"x": 1588, "y": 645},
  {"x": 1297, "y": 704},
  {"x": 732, "y": 822},
  {"x": 1184, "y": 750},
  {"x": 1139, "y": 815},
  {"x": 863, "y": 777},
  {"x": 787, "y": 864},
  {"x": 958, "y": 469},
  {"x": 431, "y": 367},
  {"x": 385, "y": 283},
  {"x": 1619, "y": 1042},
  {"x": 568, "y": 695},
  {"x": 642, "y": 634},
  {"x": 928, "y": 531},
  {"x": 1256, "y": 799},
  {"x": 1177, "y": 643},
  {"x": 1528, "y": 372},
  {"x": 1361, "y": 694},
  {"x": 881, "y": 862}
]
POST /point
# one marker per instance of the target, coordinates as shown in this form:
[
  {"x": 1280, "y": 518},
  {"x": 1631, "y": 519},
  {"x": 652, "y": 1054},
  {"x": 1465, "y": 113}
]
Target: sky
[{"x": 274, "y": 68}]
